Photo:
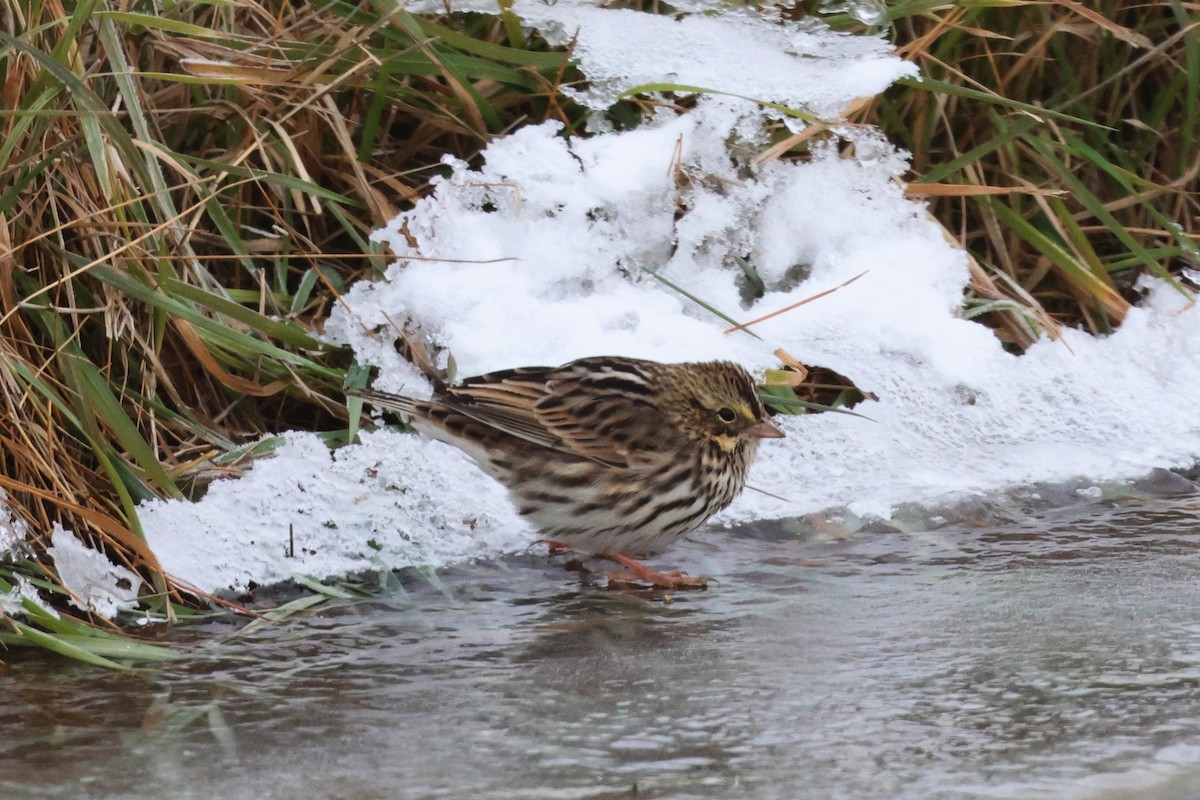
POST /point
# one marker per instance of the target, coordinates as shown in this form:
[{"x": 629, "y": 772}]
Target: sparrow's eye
[{"x": 726, "y": 414}]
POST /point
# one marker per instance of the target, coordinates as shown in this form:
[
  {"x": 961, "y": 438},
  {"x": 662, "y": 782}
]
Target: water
[{"x": 1056, "y": 654}]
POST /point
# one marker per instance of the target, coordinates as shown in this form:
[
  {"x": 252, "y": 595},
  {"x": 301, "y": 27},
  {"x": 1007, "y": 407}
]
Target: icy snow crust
[
  {"x": 12, "y": 530},
  {"x": 542, "y": 256},
  {"x": 709, "y": 45},
  {"x": 96, "y": 584},
  {"x": 801, "y": 69}
]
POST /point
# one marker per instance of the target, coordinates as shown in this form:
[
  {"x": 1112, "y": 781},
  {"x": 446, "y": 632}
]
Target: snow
[
  {"x": 748, "y": 55},
  {"x": 396, "y": 499},
  {"x": 95, "y": 583},
  {"x": 12, "y": 529},
  {"x": 13, "y": 602},
  {"x": 544, "y": 255}
]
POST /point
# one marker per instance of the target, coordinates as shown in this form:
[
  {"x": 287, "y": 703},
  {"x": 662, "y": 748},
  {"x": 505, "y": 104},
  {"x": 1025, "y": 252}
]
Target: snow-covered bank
[{"x": 543, "y": 255}]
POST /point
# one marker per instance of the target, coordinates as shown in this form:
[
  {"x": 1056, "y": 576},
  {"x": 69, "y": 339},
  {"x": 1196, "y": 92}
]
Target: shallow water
[{"x": 1056, "y": 654}]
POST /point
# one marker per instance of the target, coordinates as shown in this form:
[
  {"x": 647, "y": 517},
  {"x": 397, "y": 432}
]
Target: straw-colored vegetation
[
  {"x": 1069, "y": 129},
  {"x": 185, "y": 192}
]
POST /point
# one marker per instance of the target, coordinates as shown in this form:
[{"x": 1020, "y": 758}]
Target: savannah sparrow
[{"x": 615, "y": 457}]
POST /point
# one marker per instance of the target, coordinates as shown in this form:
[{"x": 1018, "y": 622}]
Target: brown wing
[
  {"x": 506, "y": 400},
  {"x": 598, "y": 408}
]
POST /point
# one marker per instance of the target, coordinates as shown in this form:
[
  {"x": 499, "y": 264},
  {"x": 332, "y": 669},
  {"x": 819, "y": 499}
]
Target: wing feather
[
  {"x": 506, "y": 400},
  {"x": 608, "y": 409},
  {"x": 596, "y": 408}
]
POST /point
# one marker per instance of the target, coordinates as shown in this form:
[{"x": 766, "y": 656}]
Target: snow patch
[
  {"x": 394, "y": 500},
  {"x": 13, "y": 531},
  {"x": 719, "y": 47},
  {"x": 95, "y": 583},
  {"x": 746, "y": 54},
  {"x": 12, "y": 602}
]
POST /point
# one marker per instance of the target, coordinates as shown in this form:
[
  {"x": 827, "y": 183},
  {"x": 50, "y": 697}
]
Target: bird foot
[
  {"x": 557, "y": 547},
  {"x": 636, "y": 572}
]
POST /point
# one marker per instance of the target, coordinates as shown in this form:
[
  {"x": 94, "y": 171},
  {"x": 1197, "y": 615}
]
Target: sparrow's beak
[{"x": 765, "y": 430}]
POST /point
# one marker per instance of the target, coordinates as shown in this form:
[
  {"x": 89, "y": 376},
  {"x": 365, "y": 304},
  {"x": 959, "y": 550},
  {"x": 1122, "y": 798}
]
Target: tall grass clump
[
  {"x": 184, "y": 191},
  {"x": 1056, "y": 144}
]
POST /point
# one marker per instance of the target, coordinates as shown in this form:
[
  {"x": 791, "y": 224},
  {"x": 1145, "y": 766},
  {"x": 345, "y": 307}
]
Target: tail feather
[
  {"x": 438, "y": 421},
  {"x": 394, "y": 402}
]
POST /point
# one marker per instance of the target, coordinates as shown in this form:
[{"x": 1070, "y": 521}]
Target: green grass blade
[
  {"x": 935, "y": 86},
  {"x": 29, "y": 635},
  {"x": 212, "y": 329},
  {"x": 1081, "y": 192},
  {"x": 703, "y": 304}
]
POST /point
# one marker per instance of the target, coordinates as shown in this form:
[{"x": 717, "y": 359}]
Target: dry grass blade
[
  {"x": 743, "y": 326},
  {"x": 970, "y": 190}
]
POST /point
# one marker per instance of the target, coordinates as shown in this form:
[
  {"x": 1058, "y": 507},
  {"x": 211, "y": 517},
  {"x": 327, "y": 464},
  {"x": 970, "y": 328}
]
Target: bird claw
[
  {"x": 557, "y": 547},
  {"x": 671, "y": 580},
  {"x": 638, "y": 573}
]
